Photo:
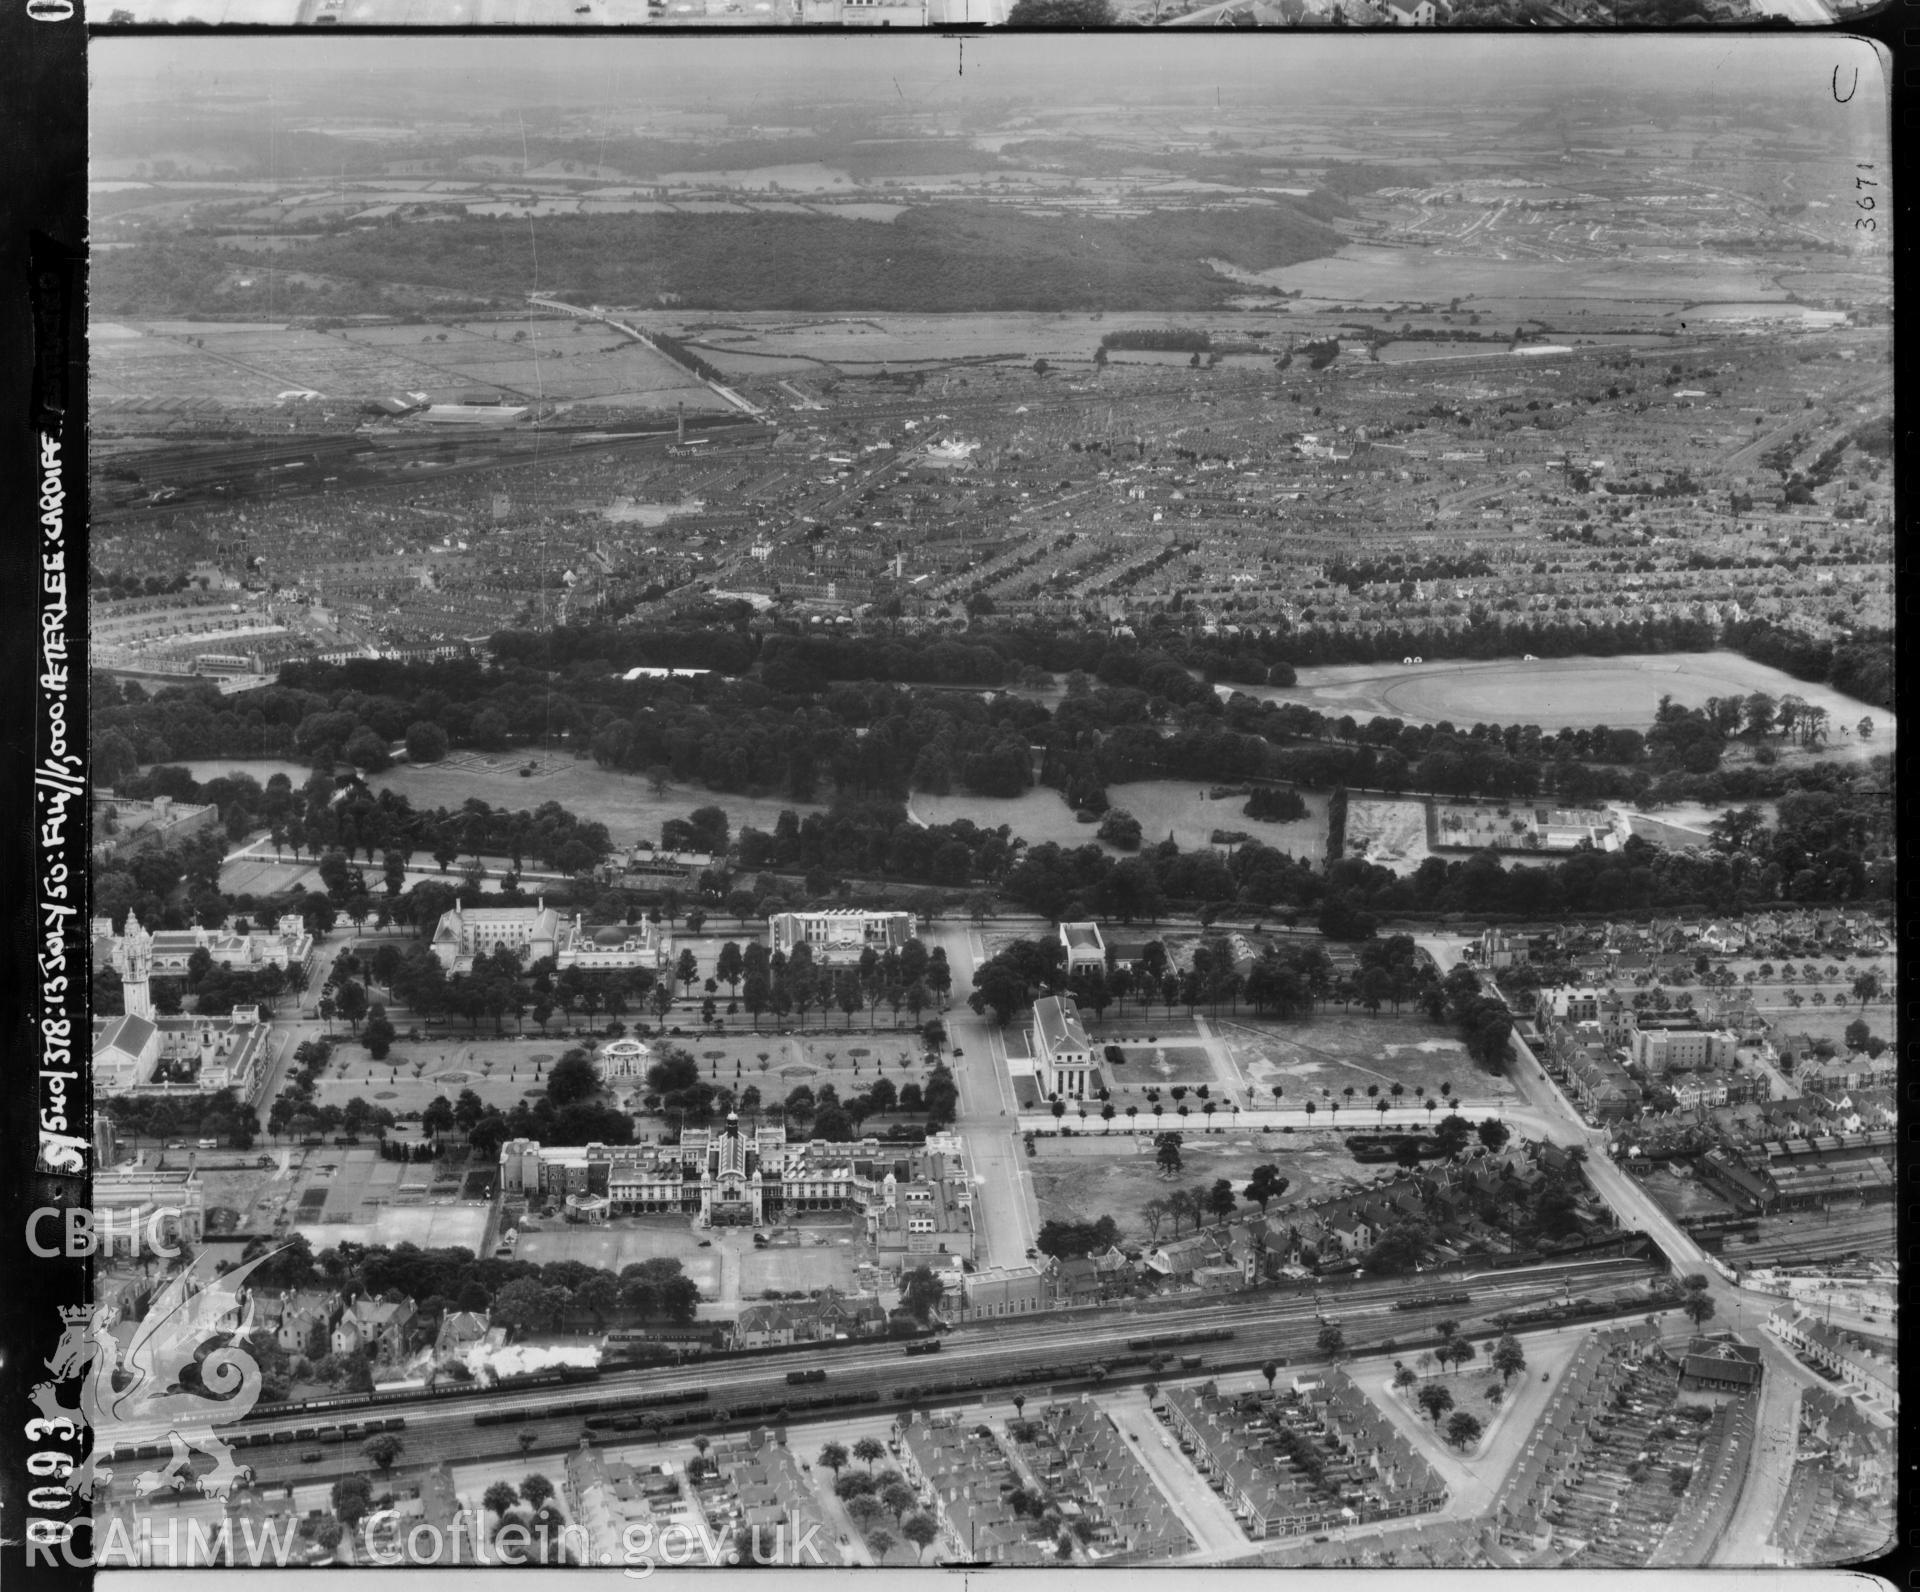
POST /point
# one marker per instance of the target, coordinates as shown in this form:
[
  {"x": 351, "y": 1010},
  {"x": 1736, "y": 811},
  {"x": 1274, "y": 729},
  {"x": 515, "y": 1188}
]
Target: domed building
[
  {"x": 623, "y": 1058},
  {"x": 611, "y": 945},
  {"x": 588, "y": 1208}
]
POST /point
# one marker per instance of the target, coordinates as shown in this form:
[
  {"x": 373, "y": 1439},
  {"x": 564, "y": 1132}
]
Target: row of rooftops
[
  {"x": 1838, "y": 1347},
  {"x": 1673, "y": 934},
  {"x": 1601, "y": 1362},
  {"x": 831, "y": 1315},
  {"x": 1099, "y": 1458},
  {"x": 772, "y": 1491},
  {"x": 963, "y": 1469},
  {"x": 1230, "y": 1433},
  {"x": 1353, "y": 1217}
]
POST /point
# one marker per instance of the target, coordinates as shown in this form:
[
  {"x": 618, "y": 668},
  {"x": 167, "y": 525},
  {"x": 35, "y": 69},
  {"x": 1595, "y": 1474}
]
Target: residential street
[
  {"x": 1777, "y": 1430},
  {"x": 1201, "y": 1510}
]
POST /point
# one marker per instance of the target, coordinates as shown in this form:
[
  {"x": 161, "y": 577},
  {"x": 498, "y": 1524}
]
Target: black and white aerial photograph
[
  {"x": 1058, "y": 804},
  {"x": 1315, "y": 15}
]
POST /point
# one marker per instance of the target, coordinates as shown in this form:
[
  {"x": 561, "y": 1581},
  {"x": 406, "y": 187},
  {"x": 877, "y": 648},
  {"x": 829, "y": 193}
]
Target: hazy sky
[{"x": 730, "y": 71}]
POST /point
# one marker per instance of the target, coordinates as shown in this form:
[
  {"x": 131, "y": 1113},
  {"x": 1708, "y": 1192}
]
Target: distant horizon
[{"x": 921, "y": 73}]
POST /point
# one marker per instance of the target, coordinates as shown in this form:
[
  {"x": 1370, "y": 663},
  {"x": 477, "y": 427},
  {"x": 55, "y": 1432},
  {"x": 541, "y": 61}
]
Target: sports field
[
  {"x": 615, "y": 1248},
  {"x": 728, "y": 1270},
  {"x": 1557, "y": 693},
  {"x": 1365, "y": 273},
  {"x": 424, "y": 1226}
]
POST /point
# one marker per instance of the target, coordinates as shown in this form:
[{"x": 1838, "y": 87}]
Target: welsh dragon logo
[{"x": 134, "y": 1396}]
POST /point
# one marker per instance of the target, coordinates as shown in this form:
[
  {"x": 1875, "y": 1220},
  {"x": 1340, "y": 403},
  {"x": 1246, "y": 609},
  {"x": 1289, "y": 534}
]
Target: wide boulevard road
[
  {"x": 987, "y": 1118},
  {"x": 1279, "y": 1323}
]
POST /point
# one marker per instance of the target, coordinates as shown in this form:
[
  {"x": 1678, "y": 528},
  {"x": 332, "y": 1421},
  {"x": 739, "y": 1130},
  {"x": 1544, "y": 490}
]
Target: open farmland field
[
  {"x": 911, "y": 339},
  {"x": 734, "y": 363},
  {"x": 1116, "y": 1173},
  {"x": 1557, "y": 693},
  {"x": 560, "y": 359},
  {"x": 256, "y": 364},
  {"x": 1163, "y": 806},
  {"x": 145, "y": 366},
  {"x": 623, "y": 802},
  {"x": 1367, "y": 274},
  {"x": 796, "y": 177},
  {"x": 564, "y": 207},
  {"x": 861, "y": 212}
]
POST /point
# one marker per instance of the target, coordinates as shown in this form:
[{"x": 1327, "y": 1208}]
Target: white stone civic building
[
  {"x": 464, "y": 934},
  {"x": 1062, "y": 1052},
  {"x": 840, "y": 933}
]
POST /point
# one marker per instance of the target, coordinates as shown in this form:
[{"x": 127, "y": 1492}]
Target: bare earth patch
[
  {"x": 1116, "y": 1173},
  {"x": 1340, "y": 1050}
]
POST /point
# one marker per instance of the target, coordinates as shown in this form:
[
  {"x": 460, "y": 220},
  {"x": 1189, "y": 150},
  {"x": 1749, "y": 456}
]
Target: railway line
[
  {"x": 357, "y": 461},
  {"x": 1748, "y": 454},
  {"x": 1281, "y": 1326},
  {"x": 1812, "y": 1235}
]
